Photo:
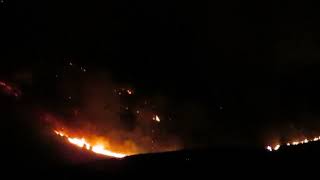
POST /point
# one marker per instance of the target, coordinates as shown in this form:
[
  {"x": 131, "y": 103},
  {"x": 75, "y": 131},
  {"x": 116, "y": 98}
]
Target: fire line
[{"x": 96, "y": 148}]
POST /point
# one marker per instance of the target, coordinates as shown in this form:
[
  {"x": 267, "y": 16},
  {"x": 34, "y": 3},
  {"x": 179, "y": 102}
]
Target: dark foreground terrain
[{"x": 228, "y": 163}]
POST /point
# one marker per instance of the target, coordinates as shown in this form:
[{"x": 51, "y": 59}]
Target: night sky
[{"x": 233, "y": 73}]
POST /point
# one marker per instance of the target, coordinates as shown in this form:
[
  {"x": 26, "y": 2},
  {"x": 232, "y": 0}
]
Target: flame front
[{"x": 97, "y": 148}]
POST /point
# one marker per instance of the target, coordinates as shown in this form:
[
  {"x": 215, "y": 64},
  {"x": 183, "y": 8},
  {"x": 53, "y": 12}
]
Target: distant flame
[
  {"x": 294, "y": 143},
  {"x": 97, "y": 148}
]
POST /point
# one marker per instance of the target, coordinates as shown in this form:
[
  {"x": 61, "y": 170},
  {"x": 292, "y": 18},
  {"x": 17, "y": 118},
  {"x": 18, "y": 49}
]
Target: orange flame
[{"x": 97, "y": 148}]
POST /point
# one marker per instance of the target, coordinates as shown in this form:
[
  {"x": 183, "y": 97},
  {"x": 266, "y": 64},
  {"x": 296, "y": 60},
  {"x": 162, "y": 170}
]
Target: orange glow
[{"x": 96, "y": 148}]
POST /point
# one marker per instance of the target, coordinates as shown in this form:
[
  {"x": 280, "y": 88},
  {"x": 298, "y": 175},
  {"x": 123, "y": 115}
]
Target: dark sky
[{"x": 241, "y": 69}]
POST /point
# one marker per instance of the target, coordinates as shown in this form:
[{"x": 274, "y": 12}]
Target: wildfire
[
  {"x": 294, "y": 143},
  {"x": 96, "y": 148}
]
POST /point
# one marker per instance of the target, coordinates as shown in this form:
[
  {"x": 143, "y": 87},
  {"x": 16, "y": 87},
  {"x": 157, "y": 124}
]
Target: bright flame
[
  {"x": 97, "y": 148},
  {"x": 156, "y": 118},
  {"x": 269, "y": 148},
  {"x": 277, "y": 147},
  {"x": 79, "y": 142}
]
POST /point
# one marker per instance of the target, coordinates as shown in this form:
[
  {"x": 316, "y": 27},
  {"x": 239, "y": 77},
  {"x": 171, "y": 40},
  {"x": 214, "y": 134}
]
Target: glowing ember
[
  {"x": 9, "y": 89},
  {"x": 294, "y": 143},
  {"x": 97, "y": 148}
]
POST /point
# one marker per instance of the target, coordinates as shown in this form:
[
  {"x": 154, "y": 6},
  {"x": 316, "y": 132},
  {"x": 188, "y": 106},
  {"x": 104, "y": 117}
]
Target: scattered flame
[
  {"x": 294, "y": 143},
  {"x": 96, "y": 148}
]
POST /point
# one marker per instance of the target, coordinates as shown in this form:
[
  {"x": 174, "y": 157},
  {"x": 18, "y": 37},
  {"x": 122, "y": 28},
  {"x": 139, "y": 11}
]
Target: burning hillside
[
  {"x": 107, "y": 118},
  {"x": 114, "y": 142}
]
